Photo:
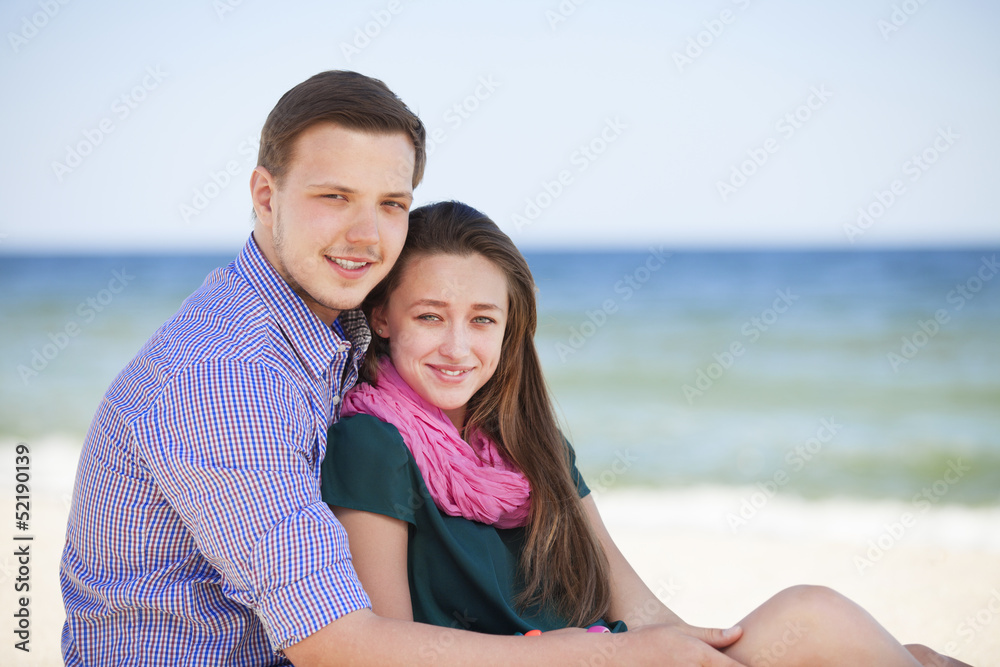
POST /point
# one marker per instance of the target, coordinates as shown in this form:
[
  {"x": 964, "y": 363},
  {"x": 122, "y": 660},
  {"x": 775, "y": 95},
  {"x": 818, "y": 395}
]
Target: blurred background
[{"x": 764, "y": 232}]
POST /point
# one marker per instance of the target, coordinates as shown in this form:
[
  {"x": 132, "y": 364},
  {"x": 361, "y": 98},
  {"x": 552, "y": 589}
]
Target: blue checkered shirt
[{"x": 197, "y": 535}]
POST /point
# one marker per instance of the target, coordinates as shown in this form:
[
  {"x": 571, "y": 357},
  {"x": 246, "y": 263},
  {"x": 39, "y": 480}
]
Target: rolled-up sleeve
[{"x": 233, "y": 447}]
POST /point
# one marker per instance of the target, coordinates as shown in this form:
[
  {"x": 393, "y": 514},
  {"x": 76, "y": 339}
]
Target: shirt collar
[{"x": 315, "y": 343}]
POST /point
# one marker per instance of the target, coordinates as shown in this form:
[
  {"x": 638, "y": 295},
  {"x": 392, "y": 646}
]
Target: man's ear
[{"x": 262, "y": 190}]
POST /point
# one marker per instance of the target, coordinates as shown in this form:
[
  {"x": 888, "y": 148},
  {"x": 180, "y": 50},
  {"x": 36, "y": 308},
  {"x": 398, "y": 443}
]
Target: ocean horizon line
[{"x": 542, "y": 249}]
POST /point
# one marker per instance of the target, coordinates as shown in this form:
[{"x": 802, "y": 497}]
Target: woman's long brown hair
[{"x": 562, "y": 563}]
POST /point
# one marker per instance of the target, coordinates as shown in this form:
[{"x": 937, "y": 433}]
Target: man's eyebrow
[
  {"x": 331, "y": 186},
  {"x": 351, "y": 191}
]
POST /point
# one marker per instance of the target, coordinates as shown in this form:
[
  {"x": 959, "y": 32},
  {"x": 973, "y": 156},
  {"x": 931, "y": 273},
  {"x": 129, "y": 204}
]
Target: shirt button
[{"x": 336, "y": 400}]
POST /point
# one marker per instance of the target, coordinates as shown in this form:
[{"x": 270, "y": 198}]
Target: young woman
[{"x": 460, "y": 496}]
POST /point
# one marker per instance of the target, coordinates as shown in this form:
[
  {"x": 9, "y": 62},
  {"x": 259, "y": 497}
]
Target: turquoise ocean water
[{"x": 824, "y": 374}]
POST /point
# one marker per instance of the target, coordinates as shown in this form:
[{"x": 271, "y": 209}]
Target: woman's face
[{"x": 445, "y": 324}]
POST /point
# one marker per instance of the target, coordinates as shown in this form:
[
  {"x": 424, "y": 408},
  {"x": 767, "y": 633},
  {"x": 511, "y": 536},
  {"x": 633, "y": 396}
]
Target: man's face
[{"x": 336, "y": 223}]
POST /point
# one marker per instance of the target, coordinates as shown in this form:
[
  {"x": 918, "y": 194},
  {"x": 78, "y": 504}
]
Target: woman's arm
[
  {"x": 378, "y": 549},
  {"x": 631, "y": 599},
  {"x": 378, "y": 545}
]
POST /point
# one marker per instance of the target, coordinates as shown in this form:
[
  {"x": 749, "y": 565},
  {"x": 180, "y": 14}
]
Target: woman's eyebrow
[{"x": 435, "y": 303}]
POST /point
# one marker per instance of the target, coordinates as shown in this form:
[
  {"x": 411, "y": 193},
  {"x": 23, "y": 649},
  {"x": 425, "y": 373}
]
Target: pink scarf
[{"x": 468, "y": 479}]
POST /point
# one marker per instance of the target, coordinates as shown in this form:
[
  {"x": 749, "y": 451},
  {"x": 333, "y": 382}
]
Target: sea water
[{"x": 873, "y": 375}]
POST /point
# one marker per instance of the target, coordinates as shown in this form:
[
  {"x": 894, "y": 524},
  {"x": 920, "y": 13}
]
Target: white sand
[{"x": 937, "y": 582}]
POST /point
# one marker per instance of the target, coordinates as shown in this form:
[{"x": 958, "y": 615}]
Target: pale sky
[{"x": 732, "y": 123}]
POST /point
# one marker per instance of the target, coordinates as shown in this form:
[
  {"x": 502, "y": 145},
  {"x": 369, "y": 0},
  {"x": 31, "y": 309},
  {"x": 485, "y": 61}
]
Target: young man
[{"x": 197, "y": 534}]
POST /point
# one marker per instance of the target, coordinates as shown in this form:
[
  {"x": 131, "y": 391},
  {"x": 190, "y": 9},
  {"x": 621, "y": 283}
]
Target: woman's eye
[
  {"x": 428, "y": 317},
  {"x": 484, "y": 320}
]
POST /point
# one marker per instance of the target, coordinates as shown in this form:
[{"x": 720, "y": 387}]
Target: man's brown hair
[{"x": 352, "y": 101}]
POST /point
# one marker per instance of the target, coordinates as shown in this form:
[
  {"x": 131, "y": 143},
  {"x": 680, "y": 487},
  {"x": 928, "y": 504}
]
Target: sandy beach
[
  {"x": 937, "y": 584},
  {"x": 932, "y": 579}
]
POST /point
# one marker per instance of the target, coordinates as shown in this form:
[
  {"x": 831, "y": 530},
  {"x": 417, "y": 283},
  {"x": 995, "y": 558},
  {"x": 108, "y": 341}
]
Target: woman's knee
[
  {"x": 792, "y": 627},
  {"x": 927, "y": 656},
  {"x": 823, "y": 610},
  {"x": 810, "y": 600}
]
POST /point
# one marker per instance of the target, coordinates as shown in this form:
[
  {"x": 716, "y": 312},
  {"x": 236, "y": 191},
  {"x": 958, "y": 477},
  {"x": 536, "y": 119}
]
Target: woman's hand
[
  {"x": 679, "y": 644},
  {"x": 714, "y": 637}
]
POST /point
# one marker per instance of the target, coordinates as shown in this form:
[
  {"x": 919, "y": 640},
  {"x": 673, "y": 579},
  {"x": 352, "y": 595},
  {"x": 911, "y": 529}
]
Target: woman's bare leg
[
  {"x": 928, "y": 657},
  {"x": 816, "y": 626}
]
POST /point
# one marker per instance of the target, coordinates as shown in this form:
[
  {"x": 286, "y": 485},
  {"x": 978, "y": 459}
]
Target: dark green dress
[{"x": 462, "y": 573}]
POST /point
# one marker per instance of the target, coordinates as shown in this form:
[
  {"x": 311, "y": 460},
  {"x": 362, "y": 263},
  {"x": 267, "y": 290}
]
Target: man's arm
[
  {"x": 362, "y": 638},
  {"x": 232, "y": 448}
]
